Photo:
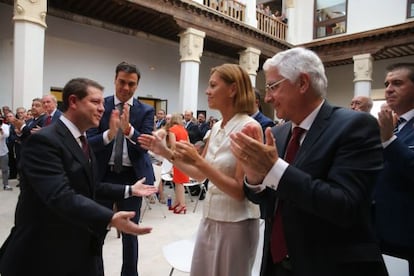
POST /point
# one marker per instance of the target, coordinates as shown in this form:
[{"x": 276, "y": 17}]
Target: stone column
[
  {"x": 250, "y": 16},
  {"x": 249, "y": 60},
  {"x": 191, "y": 49},
  {"x": 362, "y": 75},
  {"x": 290, "y": 15},
  {"x": 29, "y": 38}
]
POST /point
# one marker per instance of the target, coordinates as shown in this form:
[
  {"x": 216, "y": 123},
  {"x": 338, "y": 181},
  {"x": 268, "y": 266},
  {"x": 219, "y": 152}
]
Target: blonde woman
[{"x": 229, "y": 230}]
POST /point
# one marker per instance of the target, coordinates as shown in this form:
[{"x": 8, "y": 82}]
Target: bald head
[{"x": 361, "y": 103}]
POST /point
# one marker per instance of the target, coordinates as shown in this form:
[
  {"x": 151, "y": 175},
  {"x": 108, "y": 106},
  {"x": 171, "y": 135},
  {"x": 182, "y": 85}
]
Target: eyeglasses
[{"x": 272, "y": 86}]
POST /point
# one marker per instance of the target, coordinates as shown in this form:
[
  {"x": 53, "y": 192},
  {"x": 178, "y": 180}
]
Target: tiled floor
[{"x": 151, "y": 261}]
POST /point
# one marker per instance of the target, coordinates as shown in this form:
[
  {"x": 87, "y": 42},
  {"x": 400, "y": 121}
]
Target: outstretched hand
[
  {"x": 153, "y": 143},
  {"x": 141, "y": 189},
  {"x": 187, "y": 152},
  {"x": 122, "y": 221},
  {"x": 255, "y": 157}
]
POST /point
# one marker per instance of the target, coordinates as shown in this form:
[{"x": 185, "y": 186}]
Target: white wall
[
  {"x": 362, "y": 16},
  {"x": 373, "y": 14}
]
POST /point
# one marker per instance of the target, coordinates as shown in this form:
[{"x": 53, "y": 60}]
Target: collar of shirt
[
  {"x": 72, "y": 128},
  {"x": 408, "y": 115},
  {"x": 117, "y": 101},
  {"x": 308, "y": 121}
]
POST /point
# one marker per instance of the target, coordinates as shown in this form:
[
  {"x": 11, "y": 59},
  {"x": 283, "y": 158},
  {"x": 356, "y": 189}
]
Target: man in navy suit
[
  {"x": 34, "y": 124},
  {"x": 136, "y": 118},
  {"x": 316, "y": 204},
  {"x": 264, "y": 121},
  {"x": 59, "y": 227},
  {"x": 394, "y": 193},
  {"x": 49, "y": 103}
]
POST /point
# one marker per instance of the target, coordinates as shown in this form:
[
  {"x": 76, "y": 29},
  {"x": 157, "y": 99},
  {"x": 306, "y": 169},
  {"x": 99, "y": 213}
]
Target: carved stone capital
[
  {"x": 33, "y": 11},
  {"x": 191, "y": 45},
  {"x": 249, "y": 60},
  {"x": 290, "y": 4},
  {"x": 363, "y": 67}
]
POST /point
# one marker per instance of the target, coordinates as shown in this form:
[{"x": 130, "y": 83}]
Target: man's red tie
[
  {"x": 85, "y": 146},
  {"x": 48, "y": 120},
  {"x": 277, "y": 240}
]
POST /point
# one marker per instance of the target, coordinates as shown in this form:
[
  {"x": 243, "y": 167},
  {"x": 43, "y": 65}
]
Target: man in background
[
  {"x": 394, "y": 192},
  {"x": 361, "y": 103},
  {"x": 120, "y": 158},
  {"x": 160, "y": 122},
  {"x": 190, "y": 124},
  {"x": 4, "y": 154},
  {"x": 49, "y": 103},
  {"x": 26, "y": 128},
  {"x": 264, "y": 121}
]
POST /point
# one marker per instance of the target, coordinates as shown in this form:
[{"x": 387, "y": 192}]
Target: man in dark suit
[
  {"x": 49, "y": 103},
  {"x": 160, "y": 121},
  {"x": 134, "y": 161},
  {"x": 394, "y": 192},
  {"x": 59, "y": 227},
  {"x": 26, "y": 128},
  {"x": 316, "y": 204},
  {"x": 190, "y": 124},
  {"x": 264, "y": 121}
]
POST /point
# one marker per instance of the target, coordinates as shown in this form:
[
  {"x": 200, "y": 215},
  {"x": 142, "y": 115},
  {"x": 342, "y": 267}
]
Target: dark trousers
[
  {"x": 280, "y": 269},
  {"x": 129, "y": 242}
]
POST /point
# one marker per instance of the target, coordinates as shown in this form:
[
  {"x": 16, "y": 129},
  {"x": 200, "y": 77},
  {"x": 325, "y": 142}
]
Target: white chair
[
  {"x": 152, "y": 198},
  {"x": 179, "y": 254},
  {"x": 396, "y": 266},
  {"x": 259, "y": 252},
  {"x": 193, "y": 183}
]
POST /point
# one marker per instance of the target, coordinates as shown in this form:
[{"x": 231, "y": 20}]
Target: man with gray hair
[
  {"x": 314, "y": 176},
  {"x": 361, "y": 103}
]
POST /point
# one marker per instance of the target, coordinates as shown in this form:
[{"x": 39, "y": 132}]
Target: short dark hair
[
  {"x": 403, "y": 65},
  {"x": 127, "y": 68},
  {"x": 79, "y": 88}
]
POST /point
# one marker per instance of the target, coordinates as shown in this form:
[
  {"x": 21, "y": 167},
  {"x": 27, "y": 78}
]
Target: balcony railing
[
  {"x": 237, "y": 10},
  {"x": 231, "y": 8},
  {"x": 271, "y": 25}
]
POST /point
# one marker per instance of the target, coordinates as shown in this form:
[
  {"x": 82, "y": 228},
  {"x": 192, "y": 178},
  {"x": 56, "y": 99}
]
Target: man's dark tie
[
  {"x": 119, "y": 144},
  {"x": 277, "y": 241},
  {"x": 48, "y": 120},
  {"x": 85, "y": 146},
  {"x": 399, "y": 122}
]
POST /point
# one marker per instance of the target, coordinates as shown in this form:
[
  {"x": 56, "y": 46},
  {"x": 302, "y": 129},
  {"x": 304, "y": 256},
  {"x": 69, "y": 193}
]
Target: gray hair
[{"x": 292, "y": 62}]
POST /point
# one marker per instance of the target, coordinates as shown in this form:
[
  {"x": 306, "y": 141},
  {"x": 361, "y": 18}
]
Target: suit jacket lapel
[
  {"x": 70, "y": 142},
  {"x": 316, "y": 130}
]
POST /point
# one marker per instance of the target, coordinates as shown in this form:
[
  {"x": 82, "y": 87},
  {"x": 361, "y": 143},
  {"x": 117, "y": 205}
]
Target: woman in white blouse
[{"x": 229, "y": 230}]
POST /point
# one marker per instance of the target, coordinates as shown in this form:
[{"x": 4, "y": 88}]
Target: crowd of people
[{"x": 333, "y": 185}]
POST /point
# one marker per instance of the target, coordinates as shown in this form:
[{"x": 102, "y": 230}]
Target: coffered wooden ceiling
[{"x": 224, "y": 35}]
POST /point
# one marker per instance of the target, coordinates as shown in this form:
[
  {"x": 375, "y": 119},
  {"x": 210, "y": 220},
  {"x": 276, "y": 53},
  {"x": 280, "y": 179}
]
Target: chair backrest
[
  {"x": 166, "y": 166},
  {"x": 396, "y": 266},
  {"x": 259, "y": 252}
]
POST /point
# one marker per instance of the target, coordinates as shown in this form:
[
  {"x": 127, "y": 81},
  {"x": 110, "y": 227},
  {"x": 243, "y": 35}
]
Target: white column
[
  {"x": 290, "y": 15},
  {"x": 250, "y": 17},
  {"x": 29, "y": 36},
  {"x": 191, "y": 49},
  {"x": 249, "y": 60},
  {"x": 362, "y": 75}
]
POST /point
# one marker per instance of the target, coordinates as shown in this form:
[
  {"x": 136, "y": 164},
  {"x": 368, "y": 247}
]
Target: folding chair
[
  {"x": 152, "y": 198},
  {"x": 193, "y": 183},
  {"x": 179, "y": 254}
]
